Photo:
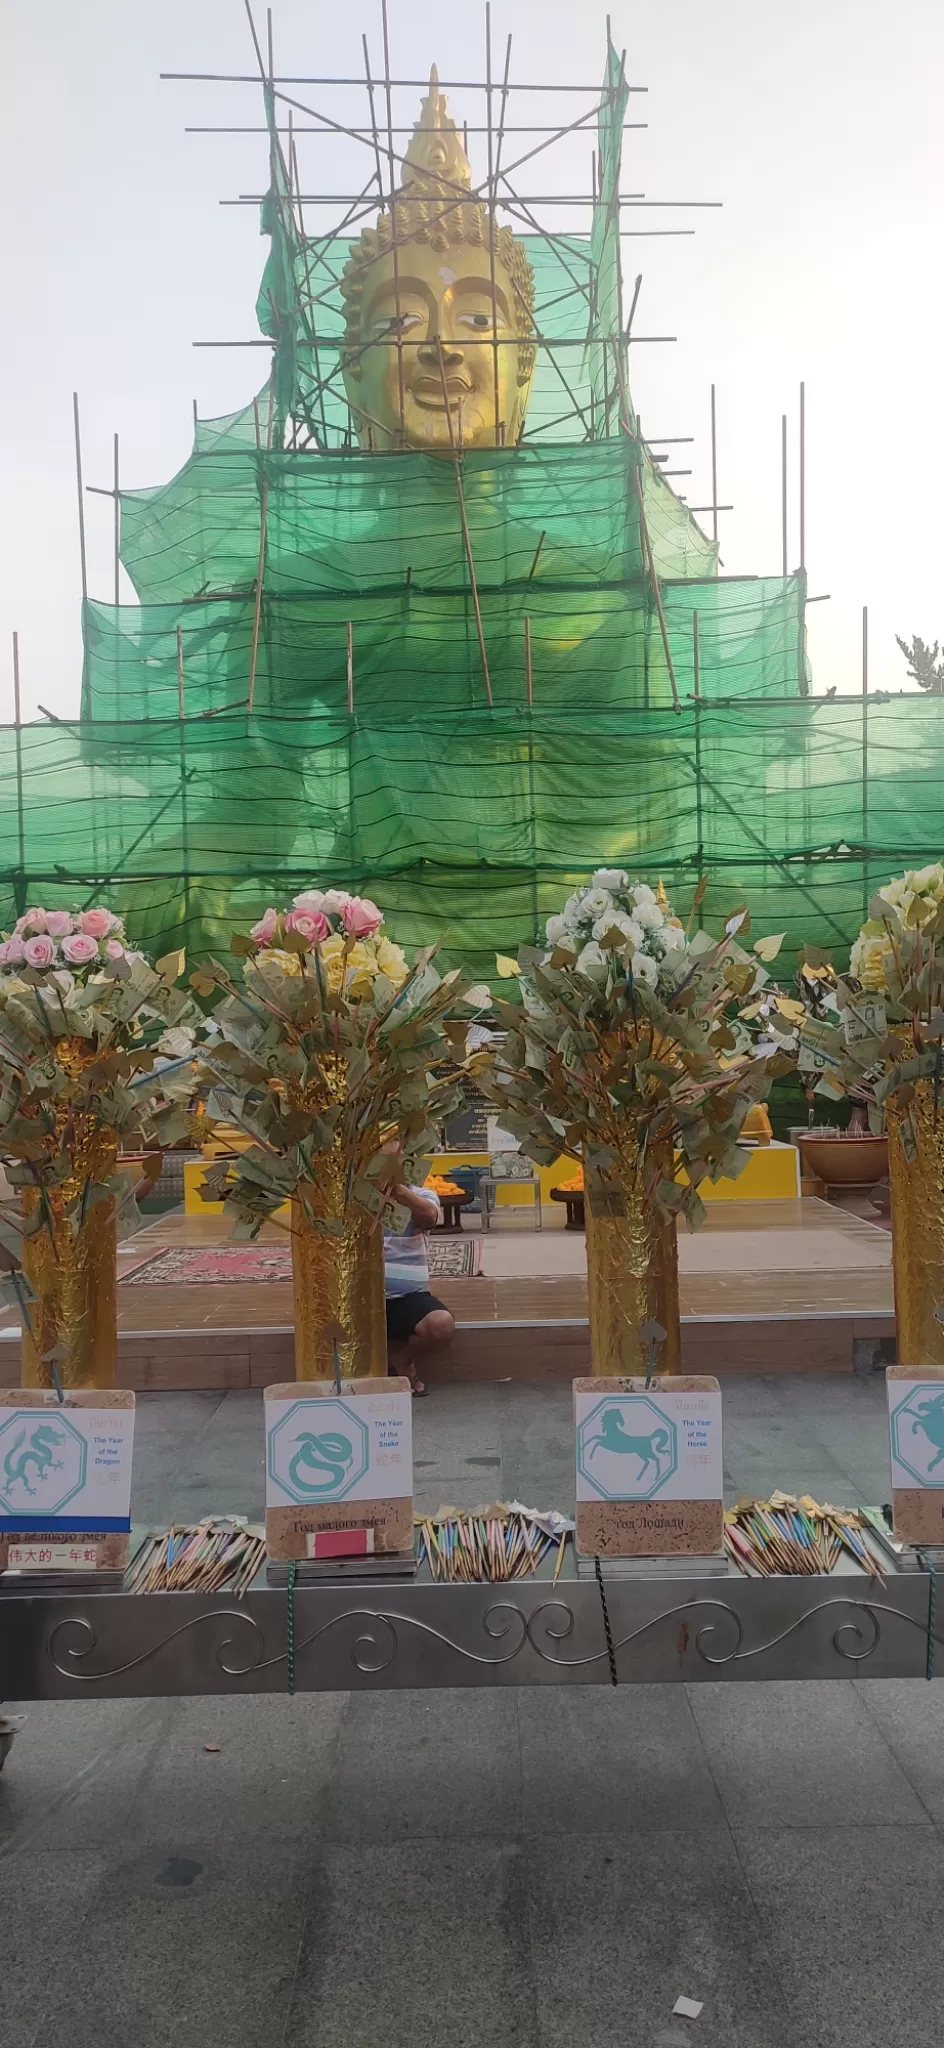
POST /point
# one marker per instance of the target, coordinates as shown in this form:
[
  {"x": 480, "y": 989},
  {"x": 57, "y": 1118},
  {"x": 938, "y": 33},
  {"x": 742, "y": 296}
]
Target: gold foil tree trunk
[
  {"x": 72, "y": 1269},
  {"x": 632, "y": 1271},
  {"x": 916, "y": 1176},
  {"x": 337, "y": 1270}
]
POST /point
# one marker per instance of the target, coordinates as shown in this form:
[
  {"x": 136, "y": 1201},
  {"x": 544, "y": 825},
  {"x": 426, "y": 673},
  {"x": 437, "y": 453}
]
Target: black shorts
[{"x": 404, "y": 1311}]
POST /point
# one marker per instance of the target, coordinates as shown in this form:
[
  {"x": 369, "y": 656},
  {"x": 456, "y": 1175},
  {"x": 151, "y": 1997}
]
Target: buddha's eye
[
  {"x": 475, "y": 319},
  {"x": 387, "y": 330}
]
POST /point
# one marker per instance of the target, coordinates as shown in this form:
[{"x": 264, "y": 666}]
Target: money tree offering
[
  {"x": 883, "y": 1045},
  {"x": 334, "y": 1050},
  {"x": 638, "y": 1039},
  {"x": 96, "y": 1055}
]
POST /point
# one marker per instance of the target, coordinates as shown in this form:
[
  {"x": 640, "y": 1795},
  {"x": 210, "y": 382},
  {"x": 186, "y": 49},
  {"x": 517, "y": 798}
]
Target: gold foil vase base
[
  {"x": 632, "y": 1279},
  {"x": 339, "y": 1286},
  {"x": 916, "y": 1178},
  {"x": 74, "y": 1279}
]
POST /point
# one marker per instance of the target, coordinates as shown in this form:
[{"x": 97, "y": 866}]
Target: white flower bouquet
[{"x": 629, "y": 1019}]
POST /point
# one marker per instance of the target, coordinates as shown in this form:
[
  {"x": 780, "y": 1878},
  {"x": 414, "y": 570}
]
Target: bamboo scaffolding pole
[
  {"x": 81, "y": 495},
  {"x": 374, "y": 131},
  {"x": 865, "y": 761},
  {"x": 180, "y": 673},
  {"x": 783, "y": 493},
  {"x": 295, "y": 193},
  {"x": 527, "y": 661},
  {"x": 714, "y": 469},
  {"x": 350, "y": 668},
  {"x": 20, "y": 816},
  {"x": 802, "y": 480},
  {"x": 466, "y": 536},
  {"x": 494, "y": 158},
  {"x": 644, "y": 527},
  {"x": 407, "y": 84},
  {"x": 250, "y": 128},
  {"x": 336, "y": 346},
  {"x": 393, "y": 215},
  {"x": 699, "y": 808},
  {"x": 537, "y": 554},
  {"x": 260, "y": 570},
  {"x": 117, "y": 526}
]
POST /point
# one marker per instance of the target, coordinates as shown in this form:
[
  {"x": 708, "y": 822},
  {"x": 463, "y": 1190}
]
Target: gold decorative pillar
[
  {"x": 74, "y": 1276},
  {"x": 917, "y": 1193},
  {"x": 338, "y": 1280},
  {"x": 632, "y": 1277}
]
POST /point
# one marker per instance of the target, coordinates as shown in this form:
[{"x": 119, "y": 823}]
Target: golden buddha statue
[{"x": 439, "y": 303}]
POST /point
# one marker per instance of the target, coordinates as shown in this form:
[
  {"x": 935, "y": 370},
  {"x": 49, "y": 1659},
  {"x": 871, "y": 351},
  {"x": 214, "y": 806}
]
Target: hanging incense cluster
[
  {"x": 787, "y": 1535},
  {"x": 495, "y": 1543},
  {"x": 212, "y": 1556}
]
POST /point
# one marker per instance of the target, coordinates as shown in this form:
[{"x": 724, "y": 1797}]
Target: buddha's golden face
[{"x": 448, "y": 326}]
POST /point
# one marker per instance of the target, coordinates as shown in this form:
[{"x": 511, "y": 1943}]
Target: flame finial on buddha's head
[{"x": 423, "y": 277}]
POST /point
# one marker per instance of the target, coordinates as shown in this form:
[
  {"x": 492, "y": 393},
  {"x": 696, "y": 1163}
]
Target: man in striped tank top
[{"x": 416, "y": 1321}]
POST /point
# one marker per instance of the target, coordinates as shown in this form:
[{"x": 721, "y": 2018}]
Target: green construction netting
[
  {"x": 474, "y": 823},
  {"x": 217, "y": 765}
]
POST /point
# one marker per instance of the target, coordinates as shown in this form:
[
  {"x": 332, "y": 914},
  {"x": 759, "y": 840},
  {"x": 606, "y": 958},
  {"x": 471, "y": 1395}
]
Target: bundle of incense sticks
[
  {"x": 219, "y": 1554},
  {"x": 495, "y": 1543},
  {"x": 789, "y": 1535}
]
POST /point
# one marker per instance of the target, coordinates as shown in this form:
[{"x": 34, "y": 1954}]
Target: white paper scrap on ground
[
  {"x": 688, "y": 2008},
  {"x": 338, "y": 1448},
  {"x": 65, "y": 1468},
  {"x": 641, "y": 1446}
]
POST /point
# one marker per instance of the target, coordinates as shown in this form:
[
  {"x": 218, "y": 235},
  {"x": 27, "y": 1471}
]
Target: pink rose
[
  {"x": 310, "y": 899},
  {"x": 264, "y": 932},
  {"x": 115, "y": 950},
  {"x": 309, "y": 924},
  {"x": 58, "y": 923},
  {"x": 34, "y": 921},
  {"x": 80, "y": 949},
  {"x": 361, "y": 917},
  {"x": 335, "y": 901},
  {"x": 12, "y": 952},
  {"x": 39, "y": 952},
  {"x": 96, "y": 924}
]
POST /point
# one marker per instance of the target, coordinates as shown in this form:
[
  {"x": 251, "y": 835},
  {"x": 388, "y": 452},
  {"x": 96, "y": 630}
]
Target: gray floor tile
[
  {"x": 425, "y": 1764},
  {"x": 417, "y": 1946},
  {"x": 75, "y": 1770},
  {"x": 183, "y": 1946},
  {"x": 859, "y": 1949},
  {"x": 472, "y": 1486},
  {"x": 267, "y": 1777},
  {"x": 620, "y": 1929},
  {"x": 597, "y": 1761},
  {"x": 791, "y": 1755},
  {"x": 793, "y": 1472},
  {"x": 910, "y": 1714},
  {"x": 49, "y": 1891}
]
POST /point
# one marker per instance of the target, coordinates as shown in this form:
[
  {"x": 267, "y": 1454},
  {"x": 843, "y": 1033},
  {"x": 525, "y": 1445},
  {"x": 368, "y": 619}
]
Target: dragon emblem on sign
[{"x": 42, "y": 1463}]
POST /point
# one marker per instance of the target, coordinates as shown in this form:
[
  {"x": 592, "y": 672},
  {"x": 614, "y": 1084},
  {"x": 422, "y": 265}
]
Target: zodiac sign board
[
  {"x": 653, "y": 1456},
  {"x": 916, "y": 1434},
  {"x": 339, "y": 1461},
  {"x": 65, "y": 1467}
]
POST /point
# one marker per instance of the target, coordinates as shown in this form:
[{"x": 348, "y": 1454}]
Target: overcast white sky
[{"x": 817, "y": 123}]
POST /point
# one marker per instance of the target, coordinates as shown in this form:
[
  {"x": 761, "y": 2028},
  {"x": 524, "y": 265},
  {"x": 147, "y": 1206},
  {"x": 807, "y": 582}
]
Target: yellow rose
[
  {"x": 288, "y": 963},
  {"x": 391, "y": 961},
  {"x": 867, "y": 961},
  {"x": 332, "y": 956}
]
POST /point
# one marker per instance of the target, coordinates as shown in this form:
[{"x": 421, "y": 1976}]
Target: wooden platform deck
[{"x": 765, "y": 1287}]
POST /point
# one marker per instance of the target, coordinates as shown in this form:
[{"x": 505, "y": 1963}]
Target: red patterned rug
[{"x": 450, "y": 1258}]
